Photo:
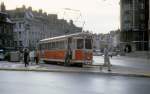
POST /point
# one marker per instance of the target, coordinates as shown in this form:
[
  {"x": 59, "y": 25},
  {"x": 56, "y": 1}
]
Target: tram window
[
  {"x": 88, "y": 44},
  {"x": 59, "y": 44},
  {"x": 50, "y": 47},
  {"x": 40, "y": 47},
  {"x": 80, "y": 44},
  {"x": 62, "y": 45},
  {"x": 53, "y": 45},
  {"x": 46, "y": 46},
  {"x": 56, "y": 45},
  {"x": 73, "y": 44}
]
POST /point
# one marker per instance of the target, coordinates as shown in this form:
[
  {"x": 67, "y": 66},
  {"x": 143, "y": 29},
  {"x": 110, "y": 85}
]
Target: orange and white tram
[{"x": 69, "y": 49}]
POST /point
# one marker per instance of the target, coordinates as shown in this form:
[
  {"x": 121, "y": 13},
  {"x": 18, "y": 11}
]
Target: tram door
[
  {"x": 69, "y": 51},
  {"x": 69, "y": 46}
]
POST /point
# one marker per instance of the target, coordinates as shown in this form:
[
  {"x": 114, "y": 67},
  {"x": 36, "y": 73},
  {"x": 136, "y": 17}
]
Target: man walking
[
  {"x": 37, "y": 57},
  {"x": 106, "y": 59},
  {"x": 26, "y": 57}
]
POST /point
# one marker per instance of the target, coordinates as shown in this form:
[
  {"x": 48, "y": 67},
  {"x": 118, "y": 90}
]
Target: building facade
[
  {"x": 110, "y": 40},
  {"x": 6, "y": 30},
  {"x": 115, "y": 39},
  {"x": 32, "y": 26},
  {"x": 134, "y": 24},
  {"x": 149, "y": 25}
]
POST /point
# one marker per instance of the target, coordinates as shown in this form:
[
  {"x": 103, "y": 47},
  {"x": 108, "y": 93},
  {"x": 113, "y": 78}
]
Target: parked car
[
  {"x": 1, "y": 55},
  {"x": 112, "y": 53},
  {"x": 97, "y": 53}
]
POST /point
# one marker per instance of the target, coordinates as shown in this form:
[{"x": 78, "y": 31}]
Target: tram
[{"x": 67, "y": 49}]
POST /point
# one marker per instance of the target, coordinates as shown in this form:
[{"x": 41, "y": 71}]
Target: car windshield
[{"x": 1, "y": 51}]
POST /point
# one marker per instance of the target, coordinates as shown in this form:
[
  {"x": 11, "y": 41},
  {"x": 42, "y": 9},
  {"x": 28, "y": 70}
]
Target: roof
[
  {"x": 5, "y": 17},
  {"x": 8, "y": 20},
  {"x": 66, "y": 36},
  {"x": 3, "y": 13}
]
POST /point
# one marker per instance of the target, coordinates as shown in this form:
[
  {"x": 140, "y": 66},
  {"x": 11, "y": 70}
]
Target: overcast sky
[{"x": 98, "y": 16}]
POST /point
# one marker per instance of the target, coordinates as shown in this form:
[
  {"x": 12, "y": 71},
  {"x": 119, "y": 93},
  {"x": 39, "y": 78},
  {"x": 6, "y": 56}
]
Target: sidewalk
[{"x": 116, "y": 69}]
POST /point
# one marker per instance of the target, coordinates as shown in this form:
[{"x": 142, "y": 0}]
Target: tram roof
[{"x": 66, "y": 36}]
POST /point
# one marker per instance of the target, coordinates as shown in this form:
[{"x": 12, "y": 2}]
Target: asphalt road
[{"x": 13, "y": 82}]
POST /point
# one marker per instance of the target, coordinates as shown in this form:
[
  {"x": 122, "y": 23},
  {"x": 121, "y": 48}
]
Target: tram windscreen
[
  {"x": 80, "y": 44},
  {"x": 88, "y": 44}
]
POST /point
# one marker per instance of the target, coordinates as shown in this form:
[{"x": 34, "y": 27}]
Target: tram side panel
[
  {"x": 55, "y": 54},
  {"x": 79, "y": 55},
  {"x": 83, "y": 57},
  {"x": 59, "y": 55}
]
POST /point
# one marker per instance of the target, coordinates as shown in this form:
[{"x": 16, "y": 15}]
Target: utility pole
[{"x": 76, "y": 16}]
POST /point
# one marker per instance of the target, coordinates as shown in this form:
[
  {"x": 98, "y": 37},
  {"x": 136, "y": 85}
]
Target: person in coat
[
  {"x": 37, "y": 57},
  {"x": 106, "y": 59},
  {"x": 26, "y": 57},
  {"x": 32, "y": 56}
]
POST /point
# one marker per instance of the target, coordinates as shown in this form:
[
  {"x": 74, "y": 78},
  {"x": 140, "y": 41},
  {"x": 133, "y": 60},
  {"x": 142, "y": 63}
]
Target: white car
[
  {"x": 1, "y": 56},
  {"x": 97, "y": 53},
  {"x": 112, "y": 54}
]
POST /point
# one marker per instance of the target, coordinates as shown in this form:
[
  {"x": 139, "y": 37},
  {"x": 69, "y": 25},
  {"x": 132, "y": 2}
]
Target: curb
[{"x": 71, "y": 71}]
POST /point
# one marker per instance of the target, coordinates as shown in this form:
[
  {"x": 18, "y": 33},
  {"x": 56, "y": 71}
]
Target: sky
[{"x": 97, "y": 16}]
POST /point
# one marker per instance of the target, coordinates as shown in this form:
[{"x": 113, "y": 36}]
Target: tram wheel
[{"x": 80, "y": 65}]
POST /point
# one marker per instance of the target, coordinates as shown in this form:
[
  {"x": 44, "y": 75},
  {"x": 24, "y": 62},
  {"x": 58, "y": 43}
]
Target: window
[
  {"x": 142, "y": 6},
  {"x": 19, "y": 34},
  {"x": 59, "y": 45},
  {"x": 62, "y": 45},
  {"x": 40, "y": 47},
  {"x": 80, "y": 44},
  {"x": 53, "y": 45},
  {"x": 20, "y": 43},
  {"x": 20, "y": 25},
  {"x": 46, "y": 46},
  {"x": 0, "y": 29},
  {"x": 88, "y": 44},
  {"x": 142, "y": 16},
  {"x": 43, "y": 46},
  {"x": 56, "y": 45}
]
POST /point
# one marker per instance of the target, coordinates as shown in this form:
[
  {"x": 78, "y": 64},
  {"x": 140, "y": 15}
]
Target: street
[
  {"x": 120, "y": 65},
  {"x": 15, "y": 82},
  {"x": 130, "y": 62}
]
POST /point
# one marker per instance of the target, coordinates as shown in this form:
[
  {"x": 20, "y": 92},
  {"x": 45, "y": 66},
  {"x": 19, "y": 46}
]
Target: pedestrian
[
  {"x": 106, "y": 59},
  {"x": 32, "y": 56},
  {"x": 111, "y": 55},
  {"x": 21, "y": 57},
  {"x": 26, "y": 57},
  {"x": 37, "y": 57}
]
